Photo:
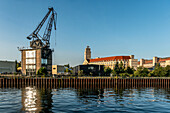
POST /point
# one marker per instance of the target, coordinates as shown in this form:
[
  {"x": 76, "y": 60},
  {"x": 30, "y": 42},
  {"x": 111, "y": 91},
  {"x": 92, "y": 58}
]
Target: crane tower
[{"x": 39, "y": 54}]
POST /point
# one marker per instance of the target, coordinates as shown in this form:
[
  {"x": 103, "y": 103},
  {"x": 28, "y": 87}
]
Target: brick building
[{"x": 33, "y": 59}]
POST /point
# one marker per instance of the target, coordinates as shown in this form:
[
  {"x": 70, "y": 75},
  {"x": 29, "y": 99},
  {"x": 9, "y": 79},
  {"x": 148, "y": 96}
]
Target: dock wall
[{"x": 83, "y": 82}]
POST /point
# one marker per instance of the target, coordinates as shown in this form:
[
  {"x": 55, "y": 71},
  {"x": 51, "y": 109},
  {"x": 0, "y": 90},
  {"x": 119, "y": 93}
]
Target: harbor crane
[{"x": 38, "y": 41}]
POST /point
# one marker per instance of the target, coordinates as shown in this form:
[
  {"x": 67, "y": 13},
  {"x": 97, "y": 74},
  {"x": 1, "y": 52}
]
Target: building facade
[
  {"x": 110, "y": 61},
  {"x": 57, "y": 69},
  {"x": 33, "y": 59},
  {"x": 7, "y": 66},
  {"x": 151, "y": 63},
  {"x": 90, "y": 69}
]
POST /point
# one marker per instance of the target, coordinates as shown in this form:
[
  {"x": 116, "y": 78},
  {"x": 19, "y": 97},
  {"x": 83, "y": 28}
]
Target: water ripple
[{"x": 68, "y": 100}]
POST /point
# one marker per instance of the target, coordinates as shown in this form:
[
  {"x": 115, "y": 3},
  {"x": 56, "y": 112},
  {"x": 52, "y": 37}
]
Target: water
[{"x": 32, "y": 99}]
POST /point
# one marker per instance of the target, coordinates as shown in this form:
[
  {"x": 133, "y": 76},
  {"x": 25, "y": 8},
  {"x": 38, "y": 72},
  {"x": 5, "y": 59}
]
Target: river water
[{"x": 68, "y": 100}]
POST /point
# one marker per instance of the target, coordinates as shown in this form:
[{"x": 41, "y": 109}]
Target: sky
[{"x": 109, "y": 27}]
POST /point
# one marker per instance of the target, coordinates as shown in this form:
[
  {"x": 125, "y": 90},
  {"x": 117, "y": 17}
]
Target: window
[
  {"x": 30, "y": 54},
  {"x": 30, "y": 67},
  {"x": 43, "y": 61},
  {"x": 91, "y": 68},
  {"x": 30, "y": 61}
]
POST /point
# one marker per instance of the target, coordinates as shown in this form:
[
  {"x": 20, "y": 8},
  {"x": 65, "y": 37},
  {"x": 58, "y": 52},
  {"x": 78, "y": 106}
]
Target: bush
[
  {"x": 80, "y": 73},
  {"x": 42, "y": 71},
  {"x": 124, "y": 75},
  {"x": 131, "y": 75}
]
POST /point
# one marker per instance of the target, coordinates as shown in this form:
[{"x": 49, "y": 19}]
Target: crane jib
[{"x": 40, "y": 42}]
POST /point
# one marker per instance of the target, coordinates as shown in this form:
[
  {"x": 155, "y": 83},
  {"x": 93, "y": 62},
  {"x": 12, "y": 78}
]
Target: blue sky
[{"x": 109, "y": 27}]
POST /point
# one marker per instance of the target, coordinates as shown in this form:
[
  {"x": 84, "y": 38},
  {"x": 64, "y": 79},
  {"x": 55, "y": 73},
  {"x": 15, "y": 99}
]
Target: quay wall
[{"x": 85, "y": 82}]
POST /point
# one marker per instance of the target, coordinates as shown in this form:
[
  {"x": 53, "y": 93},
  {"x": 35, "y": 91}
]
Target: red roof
[
  {"x": 138, "y": 62},
  {"x": 148, "y": 61},
  {"x": 163, "y": 59},
  {"x": 113, "y": 58}
]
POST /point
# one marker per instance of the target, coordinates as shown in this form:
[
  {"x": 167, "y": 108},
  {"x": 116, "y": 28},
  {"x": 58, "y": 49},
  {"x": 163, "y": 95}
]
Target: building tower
[
  {"x": 87, "y": 55},
  {"x": 155, "y": 61}
]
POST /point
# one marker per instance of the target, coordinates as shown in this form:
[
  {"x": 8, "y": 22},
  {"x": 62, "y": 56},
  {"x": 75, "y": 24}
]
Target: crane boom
[
  {"x": 37, "y": 40},
  {"x": 47, "y": 33}
]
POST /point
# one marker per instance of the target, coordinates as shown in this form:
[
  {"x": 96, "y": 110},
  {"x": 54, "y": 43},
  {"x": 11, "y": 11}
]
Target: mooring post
[
  {"x": 168, "y": 83},
  {"x": 64, "y": 84},
  {"x": 57, "y": 83},
  {"x": 164, "y": 83},
  {"x": 161, "y": 83},
  {"x": 52, "y": 82},
  {"x": 71, "y": 82},
  {"x": 0, "y": 82},
  {"x": 20, "y": 80},
  {"x": 80, "y": 83},
  {"x": 9, "y": 82},
  {"x": 3, "y": 82},
  {"x": 6, "y": 82},
  {"x": 88, "y": 82}
]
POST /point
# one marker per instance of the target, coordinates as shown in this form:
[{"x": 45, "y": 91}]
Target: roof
[
  {"x": 113, "y": 58},
  {"x": 164, "y": 59},
  {"x": 138, "y": 62},
  {"x": 148, "y": 61}
]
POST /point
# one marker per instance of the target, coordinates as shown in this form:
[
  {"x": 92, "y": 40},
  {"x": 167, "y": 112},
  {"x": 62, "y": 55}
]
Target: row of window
[
  {"x": 30, "y": 61},
  {"x": 30, "y": 66},
  {"x": 107, "y": 63},
  {"x": 30, "y": 70},
  {"x": 33, "y": 61}
]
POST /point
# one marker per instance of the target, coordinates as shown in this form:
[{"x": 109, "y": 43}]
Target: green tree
[
  {"x": 141, "y": 72},
  {"x": 107, "y": 71},
  {"x": 167, "y": 71},
  {"x": 116, "y": 68},
  {"x": 159, "y": 71},
  {"x": 129, "y": 70},
  {"x": 121, "y": 67},
  {"x": 114, "y": 73},
  {"x": 67, "y": 70},
  {"x": 42, "y": 71},
  {"x": 80, "y": 73}
]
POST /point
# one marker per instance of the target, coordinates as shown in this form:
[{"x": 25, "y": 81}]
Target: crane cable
[
  {"x": 55, "y": 46},
  {"x": 55, "y": 41}
]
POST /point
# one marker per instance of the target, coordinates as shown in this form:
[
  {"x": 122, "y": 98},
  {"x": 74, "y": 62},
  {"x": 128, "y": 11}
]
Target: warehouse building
[
  {"x": 57, "y": 69},
  {"x": 7, "y": 66},
  {"x": 90, "y": 69}
]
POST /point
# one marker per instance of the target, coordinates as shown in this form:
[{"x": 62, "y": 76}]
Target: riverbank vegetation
[{"x": 120, "y": 71}]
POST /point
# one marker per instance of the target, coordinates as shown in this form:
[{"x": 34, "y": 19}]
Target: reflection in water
[
  {"x": 36, "y": 100},
  {"x": 113, "y": 99},
  {"x": 31, "y": 99}
]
